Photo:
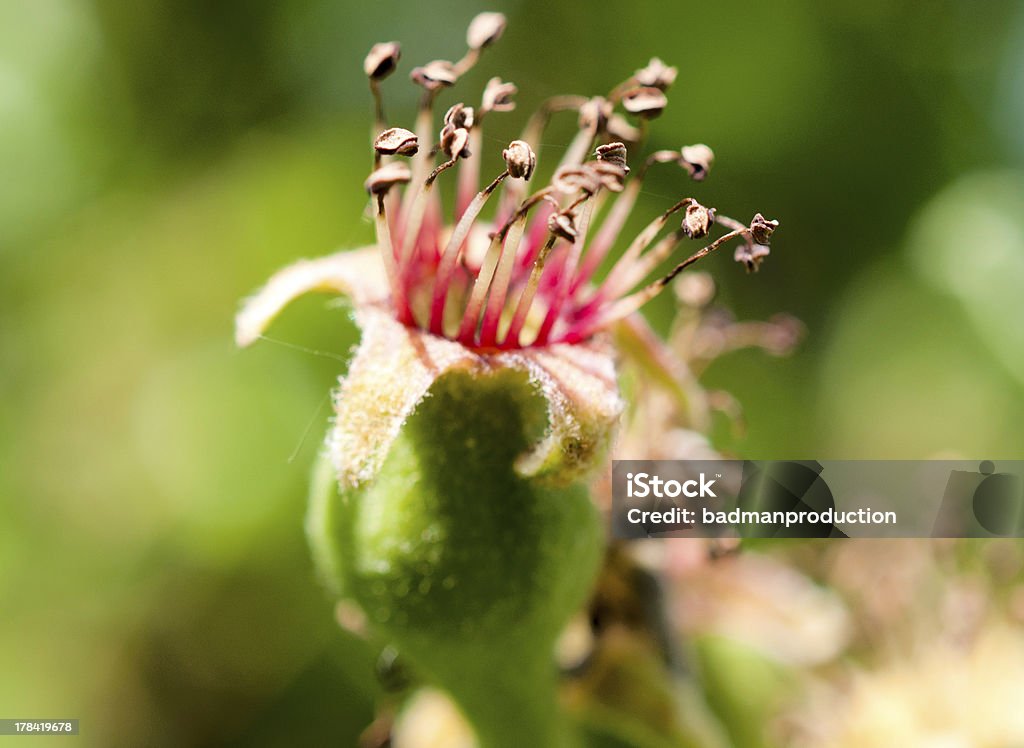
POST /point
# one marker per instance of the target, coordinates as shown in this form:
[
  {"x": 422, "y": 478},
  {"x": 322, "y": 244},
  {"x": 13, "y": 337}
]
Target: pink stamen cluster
[{"x": 526, "y": 277}]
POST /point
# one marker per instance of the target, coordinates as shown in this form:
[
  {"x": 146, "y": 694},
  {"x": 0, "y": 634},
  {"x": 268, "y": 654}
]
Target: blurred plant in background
[{"x": 159, "y": 161}]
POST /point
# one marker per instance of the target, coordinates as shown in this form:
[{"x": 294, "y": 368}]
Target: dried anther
[
  {"x": 563, "y": 225},
  {"x": 611, "y": 175},
  {"x": 646, "y": 102},
  {"x": 396, "y": 140},
  {"x": 751, "y": 255},
  {"x": 459, "y": 115},
  {"x": 386, "y": 177},
  {"x": 698, "y": 220},
  {"x": 485, "y": 30},
  {"x": 572, "y": 179},
  {"x": 520, "y": 160},
  {"x": 382, "y": 60},
  {"x": 761, "y": 229},
  {"x": 697, "y": 160},
  {"x": 434, "y": 75},
  {"x": 454, "y": 141},
  {"x": 498, "y": 96},
  {"x": 656, "y": 75},
  {"x": 613, "y": 153}
]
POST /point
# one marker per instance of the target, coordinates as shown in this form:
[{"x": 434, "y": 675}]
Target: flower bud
[
  {"x": 520, "y": 160},
  {"x": 697, "y": 160},
  {"x": 698, "y": 220},
  {"x": 387, "y": 176},
  {"x": 396, "y": 140},
  {"x": 382, "y": 60},
  {"x": 485, "y": 30}
]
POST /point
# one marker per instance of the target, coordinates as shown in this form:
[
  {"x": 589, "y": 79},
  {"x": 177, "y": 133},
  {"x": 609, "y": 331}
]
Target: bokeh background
[{"x": 159, "y": 160}]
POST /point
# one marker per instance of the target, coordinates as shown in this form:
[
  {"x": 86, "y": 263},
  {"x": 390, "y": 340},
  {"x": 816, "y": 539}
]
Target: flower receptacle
[{"x": 469, "y": 567}]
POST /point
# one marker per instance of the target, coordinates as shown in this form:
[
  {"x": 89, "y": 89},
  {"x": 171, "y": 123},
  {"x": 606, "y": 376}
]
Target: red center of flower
[{"x": 526, "y": 275}]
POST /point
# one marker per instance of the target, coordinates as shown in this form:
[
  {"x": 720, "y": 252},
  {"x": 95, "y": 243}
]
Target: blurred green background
[{"x": 159, "y": 160}]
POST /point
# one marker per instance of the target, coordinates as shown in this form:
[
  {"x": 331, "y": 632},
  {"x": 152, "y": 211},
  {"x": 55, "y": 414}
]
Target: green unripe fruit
[{"x": 470, "y": 569}]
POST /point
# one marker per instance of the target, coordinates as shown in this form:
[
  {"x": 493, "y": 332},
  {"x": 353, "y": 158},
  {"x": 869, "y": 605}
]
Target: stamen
[
  {"x": 469, "y": 171},
  {"x": 455, "y": 146},
  {"x": 538, "y": 121},
  {"x": 528, "y": 203},
  {"x": 626, "y": 306},
  {"x": 614, "y": 281},
  {"x": 484, "y": 30},
  {"x": 520, "y": 255},
  {"x": 645, "y": 102},
  {"x": 497, "y": 97},
  {"x": 378, "y": 184},
  {"x": 394, "y": 141},
  {"x": 381, "y": 62},
  {"x": 467, "y": 328},
  {"x": 502, "y": 279},
  {"x": 565, "y": 281},
  {"x": 450, "y": 256},
  {"x": 613, "y": 224},
  {"x": 433, "y": 77},
  {"x": 655, "y": 75},
  {"x": 532, "y": 134},
  {"x": 526, "y": 299}
]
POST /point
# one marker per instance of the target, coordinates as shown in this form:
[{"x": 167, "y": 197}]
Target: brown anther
[
  {"x": 698, "y": 220},
  {"x": 611, "y": 175},
  {"x": 761, "y": 229},
  {"x": 697, "y": 160},
  {"x": 485, "y": 29},
  {"x": 386, "y": 177},
  {"x": 382, "y": 60},
  {"x": 563, "y": 225},
  {"x": 656, "y": 75},
  {"x": 751, "y": 255},
  {"x": 613, "y": 153},
  {"x": 646, "y": 102},
  {"x": 520, "y": 160},
  {"x": 454, "y": 141},
  {"x": 434, "y": 75},
  {"x": 459, "y": 115},
  {"x": 396, "y": 140},
  {"x": 594, "y": 114},
  {"x": 572, "y": 179},
  {"x": 498, "y": 96}
]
